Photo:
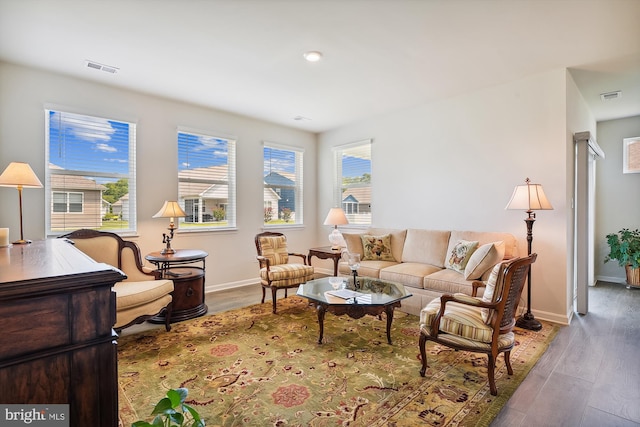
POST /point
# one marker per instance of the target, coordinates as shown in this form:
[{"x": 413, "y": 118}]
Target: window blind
[
  {"x": 283, "y": 185},
  {"x": 353, "y": 181},
  {"x": 90, "y": 175}
]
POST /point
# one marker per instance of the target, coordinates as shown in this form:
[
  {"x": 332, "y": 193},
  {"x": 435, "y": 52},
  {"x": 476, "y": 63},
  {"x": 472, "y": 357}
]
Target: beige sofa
[{"x": 424, "y": 260}]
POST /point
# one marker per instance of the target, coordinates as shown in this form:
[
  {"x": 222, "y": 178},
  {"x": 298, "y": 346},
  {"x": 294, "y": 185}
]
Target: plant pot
[{"x": 633, "y": 277}]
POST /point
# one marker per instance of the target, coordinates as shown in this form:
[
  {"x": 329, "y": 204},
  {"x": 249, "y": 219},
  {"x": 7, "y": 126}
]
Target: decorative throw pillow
[
  {"x": 460, "y": 254},
  {"x": 490, "y": 294},
  {"x": 482, "y": 259},
  {"x": 377, "y": 248}
]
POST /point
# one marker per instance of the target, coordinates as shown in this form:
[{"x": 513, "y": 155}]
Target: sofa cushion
[
  {"x": 426, "y": 246},
  {"x": 377, "y": 248},
  {"x": 482, "y": 259},
  {"x": 398, "y": 237},
  {"x": 460, "y": 254},
  {"x": 135, "y": 294},
  {"x": 484, "y": 237},
  {"x": 448, "y": 281},
  {"x": 491, "y": 293},
  {"x": 458, "y": 319},
  {"x": 367, "y": 268},
  {"x": 354, "y": 243},
  {"x": 408, "y": 273}
]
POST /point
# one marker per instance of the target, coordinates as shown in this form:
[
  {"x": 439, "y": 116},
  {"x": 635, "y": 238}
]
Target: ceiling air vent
[
  {"x": 611, "y": 95},
  {"x": 106, "y": 68}
]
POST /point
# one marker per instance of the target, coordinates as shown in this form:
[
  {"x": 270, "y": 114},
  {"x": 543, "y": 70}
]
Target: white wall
[
  {"x": 24, "y": 92},
  {"x": 618, "y": 194},
  {"x": 453, "y": 164}
]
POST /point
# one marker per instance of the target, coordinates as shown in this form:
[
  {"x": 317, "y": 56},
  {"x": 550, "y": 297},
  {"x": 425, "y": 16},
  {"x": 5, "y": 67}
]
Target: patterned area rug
[{"x": 249, "y": 367}]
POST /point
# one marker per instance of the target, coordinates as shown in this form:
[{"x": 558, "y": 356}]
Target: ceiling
[{"x": 246, "y": 56}]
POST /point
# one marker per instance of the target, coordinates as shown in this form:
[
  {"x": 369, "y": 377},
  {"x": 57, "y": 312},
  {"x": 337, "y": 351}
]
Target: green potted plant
[
  {"x": 624, "y": 247},
  {"x": 171, "y": 411}
]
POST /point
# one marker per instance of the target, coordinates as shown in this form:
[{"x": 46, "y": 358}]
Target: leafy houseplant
[
  {"x": 624, "y": 247},
  {"x": 171, "y": 411}
]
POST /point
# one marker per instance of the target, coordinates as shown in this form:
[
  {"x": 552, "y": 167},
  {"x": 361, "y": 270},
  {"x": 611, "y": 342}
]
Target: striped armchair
[
  {"x": 275, "y": 270},
  {"x": 480, "y": 325}
]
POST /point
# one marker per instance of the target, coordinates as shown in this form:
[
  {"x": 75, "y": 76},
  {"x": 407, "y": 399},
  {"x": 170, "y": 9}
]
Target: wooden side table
[
  {"x": 188, "y": 282},
  {"x": 326, "y": 252}
]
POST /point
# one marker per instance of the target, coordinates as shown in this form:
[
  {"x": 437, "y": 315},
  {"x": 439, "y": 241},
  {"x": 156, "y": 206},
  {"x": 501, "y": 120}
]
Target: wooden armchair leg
[
  {"x": 273, "y": 297},
  {"x": 423, "y": 354},
  {"x": 167, "y": 316},
  {"x": 507, "y": 361},
  {"x": 263, "y": 294},
  {"x": 492, "y": 375}
]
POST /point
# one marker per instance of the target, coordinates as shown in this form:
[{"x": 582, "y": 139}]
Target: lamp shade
[
  {"x": 335, "y": 217},
  {"x": 170, "y": 209},
  {"x": 19, "y": 174},
  {"x": 529, "y": 197}
]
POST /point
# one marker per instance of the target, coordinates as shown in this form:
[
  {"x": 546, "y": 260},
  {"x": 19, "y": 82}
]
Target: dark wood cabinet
[{"x": 57, "y": 344}]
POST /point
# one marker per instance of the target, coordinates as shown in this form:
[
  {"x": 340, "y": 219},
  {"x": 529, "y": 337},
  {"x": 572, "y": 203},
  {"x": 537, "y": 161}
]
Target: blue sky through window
[
  {"x": 79, "y": 142},
  {"x": 206, "y": 151}
]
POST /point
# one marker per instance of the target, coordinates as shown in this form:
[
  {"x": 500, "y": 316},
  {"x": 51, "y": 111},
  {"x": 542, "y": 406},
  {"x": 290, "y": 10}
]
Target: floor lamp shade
[
  {"x": 20, "y": 175},
  {"x": 336, "y": 217},
  {"x": 529, "y": 197}
]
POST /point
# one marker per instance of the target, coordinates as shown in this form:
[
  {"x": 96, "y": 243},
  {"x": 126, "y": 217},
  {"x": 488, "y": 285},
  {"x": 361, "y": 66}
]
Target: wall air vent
[
  {"x": 611, "y": 95},
  {"x": 97, "y": 66}
]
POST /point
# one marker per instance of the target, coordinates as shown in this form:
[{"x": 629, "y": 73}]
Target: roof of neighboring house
[
  {"x": 360, "y": 194},
  {"x": 121, "y": 200},
  {"x": 73, "y": 182},
  {"x": 275, "y": 178}
]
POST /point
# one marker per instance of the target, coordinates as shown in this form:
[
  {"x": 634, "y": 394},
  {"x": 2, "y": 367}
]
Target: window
[
  {"x": 282, "y": 185},
  {"x": 67, "y": 202},
  {"x": 90, "y": 178},
  {"x": 353, "y": 181},
  {"x": 206, "y": 181}
]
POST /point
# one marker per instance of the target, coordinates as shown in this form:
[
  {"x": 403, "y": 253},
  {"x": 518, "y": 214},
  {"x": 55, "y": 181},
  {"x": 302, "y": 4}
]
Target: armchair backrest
[
  {"x": 109, "y": 248},
  {"x": 512, "y": 278},
  {"x": 272, "y": 246}
]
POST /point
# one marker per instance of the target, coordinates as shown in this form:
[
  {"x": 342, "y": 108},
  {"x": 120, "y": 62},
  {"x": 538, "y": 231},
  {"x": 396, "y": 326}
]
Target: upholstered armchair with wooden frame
[
  {"x": 480, "y": 325},
  {"x": 275, "y": 270},
  {"x": 140, "y": 296}
]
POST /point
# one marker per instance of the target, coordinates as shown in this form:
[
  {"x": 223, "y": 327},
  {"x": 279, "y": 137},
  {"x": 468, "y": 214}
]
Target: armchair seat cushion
[
  {"x": 283, "y": 275},
  {"x": 135, "y": 294},
  {"x": 459, "y": 319}
]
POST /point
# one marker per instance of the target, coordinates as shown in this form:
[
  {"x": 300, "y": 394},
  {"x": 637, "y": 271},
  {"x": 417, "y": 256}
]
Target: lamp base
[
  {"x": 22, "y": 242},
  {"x": 167, "y": 251},
  {"x": 527, "y": 321}
]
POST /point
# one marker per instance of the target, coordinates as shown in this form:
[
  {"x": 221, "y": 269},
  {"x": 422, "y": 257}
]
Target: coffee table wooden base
[{"x": 355, "y": 311}]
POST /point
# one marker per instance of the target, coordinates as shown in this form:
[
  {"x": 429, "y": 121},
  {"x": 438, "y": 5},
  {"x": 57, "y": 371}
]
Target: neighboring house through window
[
  {"x": 91, "y": 166},
  {"x": 353, "y": 181},
  {"x": 282, "y": 185},
  {"x": 206, "y": 180}
]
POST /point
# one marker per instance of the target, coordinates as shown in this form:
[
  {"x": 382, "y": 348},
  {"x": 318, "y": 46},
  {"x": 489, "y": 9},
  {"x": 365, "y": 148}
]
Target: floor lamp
[
  {"x": 20, "y": 175},
  {"x": 529, "y": 197}
]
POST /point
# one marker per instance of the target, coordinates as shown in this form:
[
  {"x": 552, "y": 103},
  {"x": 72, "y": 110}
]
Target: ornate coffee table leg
[
  {"x": 389, "y": 311},
  {"x": 321, "y": 309}
]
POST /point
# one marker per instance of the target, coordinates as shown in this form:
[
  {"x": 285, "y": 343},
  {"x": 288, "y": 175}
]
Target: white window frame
[
  {"x": 298, "y": 187},
  {"x": 202, "y": 223},
  {"x": 130, "y": 175}
]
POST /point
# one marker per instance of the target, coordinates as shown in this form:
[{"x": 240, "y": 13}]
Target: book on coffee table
[{"x": 345, "y": 293}]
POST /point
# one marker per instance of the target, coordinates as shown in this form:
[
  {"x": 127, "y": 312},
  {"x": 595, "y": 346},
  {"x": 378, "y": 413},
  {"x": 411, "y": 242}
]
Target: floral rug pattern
[{"x": 249, "y": 367}]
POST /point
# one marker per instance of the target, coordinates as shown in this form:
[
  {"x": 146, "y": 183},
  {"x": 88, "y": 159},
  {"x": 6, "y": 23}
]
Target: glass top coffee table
[{"x": 338, "y": 295}]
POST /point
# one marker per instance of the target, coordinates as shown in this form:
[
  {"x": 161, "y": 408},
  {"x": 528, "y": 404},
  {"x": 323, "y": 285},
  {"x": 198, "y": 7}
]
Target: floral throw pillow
[
  {"x": 377, "y": 248},
  {"x": 460, "y": 255}
]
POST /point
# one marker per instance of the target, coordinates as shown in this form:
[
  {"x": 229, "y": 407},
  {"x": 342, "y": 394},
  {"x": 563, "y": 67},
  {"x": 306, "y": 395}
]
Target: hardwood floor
[{"x": 589, "y": 376}]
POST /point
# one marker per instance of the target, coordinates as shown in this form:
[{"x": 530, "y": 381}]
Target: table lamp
[
  {"x": 170, "y": 209},
  {"x": 336, "y": 217},
  {"x": 529, "y": 197},
  {"x": 20, "y": 175}
]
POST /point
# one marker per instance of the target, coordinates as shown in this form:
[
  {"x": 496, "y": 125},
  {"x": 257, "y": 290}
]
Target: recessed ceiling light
[
  {"x": 313, "y": 56},
  {"x": 301, "y": 118}
]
